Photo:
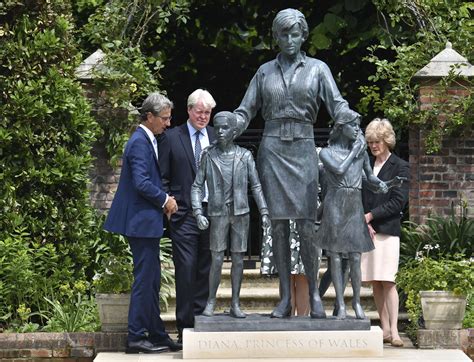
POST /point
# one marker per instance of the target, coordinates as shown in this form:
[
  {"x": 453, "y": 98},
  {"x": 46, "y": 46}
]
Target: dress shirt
[
  {"x": 204, "y": 138},
  {"x": 152, "y": 138}
]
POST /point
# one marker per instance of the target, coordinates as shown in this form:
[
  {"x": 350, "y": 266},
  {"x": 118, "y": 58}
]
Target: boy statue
[{"x": 227, "y": 169}]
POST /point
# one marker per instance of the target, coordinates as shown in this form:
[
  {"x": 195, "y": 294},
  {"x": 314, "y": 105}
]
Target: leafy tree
[{"x": 415, "y": 31}]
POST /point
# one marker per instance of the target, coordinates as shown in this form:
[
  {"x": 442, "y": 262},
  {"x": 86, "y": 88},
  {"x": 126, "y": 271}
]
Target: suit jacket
[
  {"x": 243, "y": 173},
  {"x": 178, "y": 167},
  {"x": 137, "y": 208},
  {"x": 387, "y": 209}
]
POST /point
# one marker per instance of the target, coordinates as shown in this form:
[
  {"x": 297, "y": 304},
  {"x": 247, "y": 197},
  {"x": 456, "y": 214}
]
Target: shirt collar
[
  {"x": 149, "y": 133},
  {"x": 193, "y": 130},
  {"x": 301, "y": 59}
]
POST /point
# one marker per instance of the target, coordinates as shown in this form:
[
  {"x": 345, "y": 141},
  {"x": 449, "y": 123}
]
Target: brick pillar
[
  {"x": 104, "y": 179},
  {"x": 442, "y": 179}
]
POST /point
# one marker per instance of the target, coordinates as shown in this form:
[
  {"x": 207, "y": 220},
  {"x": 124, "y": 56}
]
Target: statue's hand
[
  {"x": 202, "y": 222},
  {"x": 360, "y": 145},
  {"x": 383, "y": 188},
  {"x": 266, "y": 224}
]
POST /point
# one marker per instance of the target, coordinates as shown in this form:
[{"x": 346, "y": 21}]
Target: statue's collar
[{"x": 300, "y": 60}]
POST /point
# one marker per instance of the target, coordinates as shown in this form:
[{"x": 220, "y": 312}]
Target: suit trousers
[
  {"x": 144, "y": 319},
  {"x": 192, "y": 262}
]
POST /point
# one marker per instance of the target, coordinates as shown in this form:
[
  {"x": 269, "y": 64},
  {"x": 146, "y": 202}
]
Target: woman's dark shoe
[{"x": 145, "y": 346}]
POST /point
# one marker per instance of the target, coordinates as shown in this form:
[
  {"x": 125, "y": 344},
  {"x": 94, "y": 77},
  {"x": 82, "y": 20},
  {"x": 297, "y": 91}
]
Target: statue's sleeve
[
  {"x": 255, "y": 185},
  {"x": 250, "y": 104},
  {"x": 198, "y": 185},
  {"x": 329, "y": 93}
]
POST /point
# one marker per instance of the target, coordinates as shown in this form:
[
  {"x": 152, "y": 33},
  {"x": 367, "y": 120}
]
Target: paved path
[{"x": 390, "y": 354}]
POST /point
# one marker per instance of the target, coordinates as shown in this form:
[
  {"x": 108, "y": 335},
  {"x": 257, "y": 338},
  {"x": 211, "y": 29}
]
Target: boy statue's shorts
[{"x": 235, "y": 227}]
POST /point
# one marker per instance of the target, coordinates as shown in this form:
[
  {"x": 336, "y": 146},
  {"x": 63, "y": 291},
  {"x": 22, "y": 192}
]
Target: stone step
[{"x": 265, "y": 298}]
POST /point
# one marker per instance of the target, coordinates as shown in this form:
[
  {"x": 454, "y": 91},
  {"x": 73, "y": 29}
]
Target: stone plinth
[{"x": 282, "y": 344}]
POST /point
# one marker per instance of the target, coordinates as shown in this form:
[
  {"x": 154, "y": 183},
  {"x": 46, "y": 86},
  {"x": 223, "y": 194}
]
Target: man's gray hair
[
  {"x": 203, "y": 96},
  {"x": 154, "y": 103}
]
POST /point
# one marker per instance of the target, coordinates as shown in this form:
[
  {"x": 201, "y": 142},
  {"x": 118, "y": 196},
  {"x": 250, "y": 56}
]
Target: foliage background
[{"x": 51, "y": 243}]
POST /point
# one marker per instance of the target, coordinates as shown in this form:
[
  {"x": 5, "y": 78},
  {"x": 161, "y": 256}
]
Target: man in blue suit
[
  {"x": 180, "y": 149},
  {"x": 137, "y": 213}
]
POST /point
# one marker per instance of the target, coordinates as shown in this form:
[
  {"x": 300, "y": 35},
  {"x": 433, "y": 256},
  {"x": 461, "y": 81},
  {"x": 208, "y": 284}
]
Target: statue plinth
[
  {"x": 258, "y": 336},
  {"x": 263, "y": 322}
]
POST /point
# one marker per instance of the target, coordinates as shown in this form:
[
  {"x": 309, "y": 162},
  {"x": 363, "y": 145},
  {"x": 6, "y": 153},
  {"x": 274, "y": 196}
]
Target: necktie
[
  {"x": 197, "y": 149},
  {"x": 155, "y": 147},
  {"x": 197, "y": 158}
]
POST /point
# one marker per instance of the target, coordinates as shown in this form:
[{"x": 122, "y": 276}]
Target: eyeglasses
[{"x": 166, "y": 119}]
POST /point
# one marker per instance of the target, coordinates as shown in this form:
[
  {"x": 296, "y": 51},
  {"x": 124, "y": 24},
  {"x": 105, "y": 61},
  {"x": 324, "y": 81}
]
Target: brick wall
[
  {"x": 440, "y": 180},
  {"x": 73, "y": 347}
]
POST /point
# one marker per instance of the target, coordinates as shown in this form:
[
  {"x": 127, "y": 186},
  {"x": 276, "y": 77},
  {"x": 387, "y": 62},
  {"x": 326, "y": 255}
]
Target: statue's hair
[
  {"x": 154, "y": 103},
  {"x": 285, "y": 19},
  {"x": 203, "y": 96},
  {"x": 231, "y": 118},
  {"x": 380, "y": 129}
]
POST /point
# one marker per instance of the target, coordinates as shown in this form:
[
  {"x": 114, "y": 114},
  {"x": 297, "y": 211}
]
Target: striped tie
[{"x": 197, "y": 149}]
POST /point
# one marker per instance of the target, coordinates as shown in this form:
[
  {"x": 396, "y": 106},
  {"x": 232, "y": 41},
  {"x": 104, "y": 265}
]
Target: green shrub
[
  {"x": 47, "y": 228},
  {"x": 439, "y": 236}
]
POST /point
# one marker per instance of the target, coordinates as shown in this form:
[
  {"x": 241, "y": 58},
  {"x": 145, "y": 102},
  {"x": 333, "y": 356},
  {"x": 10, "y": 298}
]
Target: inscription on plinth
[{"x": 283, "y": 344}]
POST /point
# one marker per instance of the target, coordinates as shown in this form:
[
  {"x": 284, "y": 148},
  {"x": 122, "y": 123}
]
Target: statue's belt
[{"x": 288, "y": 129}]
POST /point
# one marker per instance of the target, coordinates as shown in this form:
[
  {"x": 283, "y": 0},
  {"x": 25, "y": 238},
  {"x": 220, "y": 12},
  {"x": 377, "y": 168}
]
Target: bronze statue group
[{"x": 214, "y": 181}]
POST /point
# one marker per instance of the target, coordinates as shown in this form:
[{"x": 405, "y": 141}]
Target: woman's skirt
[
  {"x": 288, "y": 171},
  {"x": 381, "y": 264}
]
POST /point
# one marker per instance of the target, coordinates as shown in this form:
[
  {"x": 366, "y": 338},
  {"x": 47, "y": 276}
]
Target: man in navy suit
[
  {"x": 137, "y": 213},
  {"x": 180, "y": 149}
]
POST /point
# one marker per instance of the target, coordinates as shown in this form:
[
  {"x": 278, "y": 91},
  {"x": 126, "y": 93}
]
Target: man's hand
[
  {"x": 170, "y": 207},
  {"x": 202, "y": 222}
]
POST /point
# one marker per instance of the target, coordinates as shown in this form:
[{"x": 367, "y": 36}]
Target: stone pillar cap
[
  {"x": 448, "y": 59},
  {"x": 85, "y": 71}
]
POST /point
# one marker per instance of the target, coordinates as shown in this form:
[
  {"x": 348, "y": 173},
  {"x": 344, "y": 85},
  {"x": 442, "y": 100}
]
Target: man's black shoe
[
  {"x": 145, "y": 346},
  {"x": 168, "y": 342}
]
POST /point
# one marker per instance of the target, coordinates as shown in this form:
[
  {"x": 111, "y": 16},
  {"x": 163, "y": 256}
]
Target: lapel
[
  {"x": 387, "y": 168},
  {"x": 150, "y": 145},
  {"x": 213, "y": 158},
  {"x": 237, "y": 158},
  {"x": 185, "y": 139}
]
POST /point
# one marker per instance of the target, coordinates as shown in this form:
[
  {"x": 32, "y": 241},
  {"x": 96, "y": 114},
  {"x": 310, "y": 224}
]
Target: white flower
[
  {"x": 108, "y": 272},
  {"x": 97, "y": 276}
]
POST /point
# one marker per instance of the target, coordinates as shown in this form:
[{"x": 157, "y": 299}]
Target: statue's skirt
[{"x": 288, "y": 172}]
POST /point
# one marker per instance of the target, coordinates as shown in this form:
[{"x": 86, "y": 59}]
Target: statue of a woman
[{"x": 288, "y": 92}]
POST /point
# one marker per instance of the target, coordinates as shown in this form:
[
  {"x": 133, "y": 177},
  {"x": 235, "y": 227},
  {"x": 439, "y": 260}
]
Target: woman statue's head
[{"x": 290, "y": 20}]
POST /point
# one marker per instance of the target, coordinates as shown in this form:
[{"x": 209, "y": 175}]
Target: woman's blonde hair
[{"x": 380, "y": 129}]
